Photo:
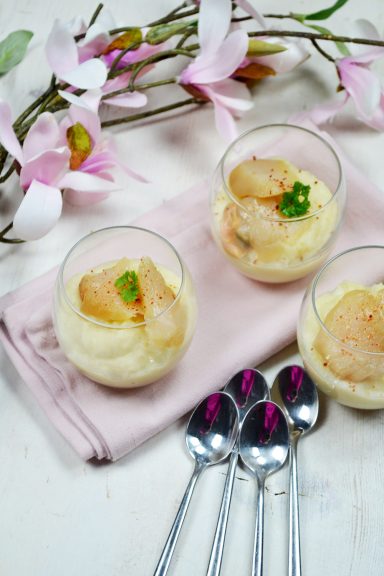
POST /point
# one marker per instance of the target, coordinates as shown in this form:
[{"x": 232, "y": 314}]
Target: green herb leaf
[
  {"x": 163, "y": 32},
  {"x": 128, "y": 286},
  {"x": 327, "y": 12},
  {"x": 261, "y": 48},
  {"x": 13, "y": 49},
  {"x": 295, "y": 203}
]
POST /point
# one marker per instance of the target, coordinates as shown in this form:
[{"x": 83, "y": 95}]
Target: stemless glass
[
  {"x": 255, "y": 236},
  {"x": 341, "y": 327},
  {"x": 126, "y": 354}
]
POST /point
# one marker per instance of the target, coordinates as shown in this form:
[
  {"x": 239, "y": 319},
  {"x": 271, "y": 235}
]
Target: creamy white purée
[
  {"x": 283, "y": 250},
  {"x": 367, "y": 393},
  {"x": 129, "y": 356}
]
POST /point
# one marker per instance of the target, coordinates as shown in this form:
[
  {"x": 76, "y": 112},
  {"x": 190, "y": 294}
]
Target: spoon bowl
[
  {"x": 212, "y": 429},
  {"x": 211, "y": 433},
  {"x": 264, "y": 439},
  {"x": 246, "y": 388},
  {"x": 264, "y": 444},
  {"x": 296, "y": 393}
]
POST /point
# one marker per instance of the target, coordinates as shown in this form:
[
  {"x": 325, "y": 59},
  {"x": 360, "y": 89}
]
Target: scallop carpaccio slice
[
  {"x": 156, "y": 295},
  {"x": 357, "y": 321},
  {"x": 262, "y": 178},
  {"x": 101, "y": 299},
  {"x": 169, "y": 328}
]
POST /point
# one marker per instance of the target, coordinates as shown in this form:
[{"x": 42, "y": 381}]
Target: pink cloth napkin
[{"x": 241, "y": 323}]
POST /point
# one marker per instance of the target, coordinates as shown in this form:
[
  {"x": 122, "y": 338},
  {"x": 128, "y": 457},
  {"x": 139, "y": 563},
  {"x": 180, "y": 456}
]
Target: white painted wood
[{"x": 63, "y": 517}]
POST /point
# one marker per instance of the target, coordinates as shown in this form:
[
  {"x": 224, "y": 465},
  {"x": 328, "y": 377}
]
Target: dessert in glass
[
  {"x": 277, "y": 201},
  {"x": 341, "y": 328},
  {"x": 124, "y": 306}
]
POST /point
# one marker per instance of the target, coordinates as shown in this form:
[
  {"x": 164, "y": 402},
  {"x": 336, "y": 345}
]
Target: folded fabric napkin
[{"x": 241, "y": 323}]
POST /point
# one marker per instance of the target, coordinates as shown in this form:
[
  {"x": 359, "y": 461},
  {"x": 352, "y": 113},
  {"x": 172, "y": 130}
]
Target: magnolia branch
[{"x": 51, "y": 101}]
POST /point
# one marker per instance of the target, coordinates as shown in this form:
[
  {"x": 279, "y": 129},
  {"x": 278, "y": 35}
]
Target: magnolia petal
[
  {"x": 8, "y": 138},
  {"x": 61, "y": 50},
  {"x": 47, "y": 168},
  {"x": 42, "y": 136},
  {"x": 96, "y": 167},
  {"x": 230, "y": 94},
  {"x": 96, "y": 39},
  {"x": 320, "y": 114},
  {"x": 83, "y": 182},
  {"x": 214, "y": 22},
  {"x": 362, "y": 85},
  {"x": 222, "y": 64},
  {"x": 90, "y": 74},
  {"x": 38, "y": 212},
  {"x": 90, "y": 100},
  {"x": 363, "y": 28},
  {"x": 76, "y": 25},
  {"x": 76, "y": 198},
  {"x": 247, "y": 7},
  {"x": 128, "y": 100},
  {"x": 224, "y": 121},
  {"x": 376, "y": 121}
]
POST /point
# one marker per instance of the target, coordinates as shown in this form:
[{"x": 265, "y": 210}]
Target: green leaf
[
  {"x": 327, "y": 12},
  {"x": 296, "y": 203},
  {"x": 128, "y": 286},
  {"x": 163, "y": 32},
  {"x": 343, "y": 49},
  {"x": 261, "y": 48},
  {"x": 13, "y": 49}
]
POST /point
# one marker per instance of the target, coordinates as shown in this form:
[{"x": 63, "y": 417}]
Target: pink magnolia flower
[
  {"x": 357, "y": 83},
  {"x": 45, "y": 168},
  {"x": 220, "y": 55},
  {"x": 89, "y": 181},
  {"x": 42, "y": 164},
  {"x": 63, "y": 56}
]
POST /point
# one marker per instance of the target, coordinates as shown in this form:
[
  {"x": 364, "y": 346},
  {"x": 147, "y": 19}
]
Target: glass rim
[
  {"x": 122, "y": 325},
  {"x": 286, "y": 220},
  {"x": 313, "y": 287}
]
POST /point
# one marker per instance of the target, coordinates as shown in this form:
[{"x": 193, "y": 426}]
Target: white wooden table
[{"x": 63, "y": 517}]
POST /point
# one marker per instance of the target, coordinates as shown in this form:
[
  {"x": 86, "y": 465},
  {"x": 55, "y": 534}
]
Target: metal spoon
[
  {"x": 296, "y": 393},
  {"x": 264, "y": 442},
  {"x": 246, "y": 388},
  {"x": 211, "y": 433}
]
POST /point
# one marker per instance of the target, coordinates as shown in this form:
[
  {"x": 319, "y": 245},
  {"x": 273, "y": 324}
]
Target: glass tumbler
[
  {"x": 340, "y": 331},
  {"x": 257, "y": 209},
  {"x": 113, "y": 342}
]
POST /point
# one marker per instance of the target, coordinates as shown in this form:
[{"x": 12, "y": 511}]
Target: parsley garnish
[
  {"x": 295, "y": 203},
  {"x": 128, "y": 286}
]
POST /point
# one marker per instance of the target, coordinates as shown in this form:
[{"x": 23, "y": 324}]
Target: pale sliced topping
[
  {"x": 101, "y": 299},
  {"x": 262, "y": 178},
  {"x": 357, "y": 321},
  {"x": 156, "y": 295}
]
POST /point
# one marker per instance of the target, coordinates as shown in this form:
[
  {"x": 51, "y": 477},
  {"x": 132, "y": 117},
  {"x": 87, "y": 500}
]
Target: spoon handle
[
  {"x": 257, "y": 568},
  {"x": 166, "y": 556},
  {"x": 221, "y": 528},
  {"x": 294, "y": 562}
]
